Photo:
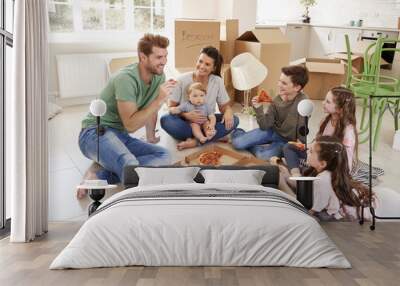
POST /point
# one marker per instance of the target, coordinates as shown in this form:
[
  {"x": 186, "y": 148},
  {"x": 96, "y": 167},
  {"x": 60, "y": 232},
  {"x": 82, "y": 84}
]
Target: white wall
[
  {"x": 246, "y": 12},
  {"x": 375, "y": 13},
  {"x": 225, "y": 9},
  {"x": 203, "y": 9}
]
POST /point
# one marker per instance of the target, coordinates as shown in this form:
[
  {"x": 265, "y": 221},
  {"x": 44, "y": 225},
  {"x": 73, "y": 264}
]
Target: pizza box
[
  {"x": 251, "y": 161},
  {"x": 229, "y": 157}
]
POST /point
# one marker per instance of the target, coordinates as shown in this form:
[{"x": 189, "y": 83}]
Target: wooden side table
[
  {"x": 96, "y": 193},
  {"x": 304, "y": 192}
]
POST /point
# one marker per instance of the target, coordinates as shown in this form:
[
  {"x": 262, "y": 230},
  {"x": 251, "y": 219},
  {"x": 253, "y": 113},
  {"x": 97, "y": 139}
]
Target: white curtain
[{"x": 28, "y": 122}]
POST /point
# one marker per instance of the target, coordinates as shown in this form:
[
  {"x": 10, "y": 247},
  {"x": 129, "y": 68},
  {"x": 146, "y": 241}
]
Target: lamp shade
[
  {"x": 98, "y": 107},
  {"x": 305, "y": 107},
  {"x": 247, "y": 71}
]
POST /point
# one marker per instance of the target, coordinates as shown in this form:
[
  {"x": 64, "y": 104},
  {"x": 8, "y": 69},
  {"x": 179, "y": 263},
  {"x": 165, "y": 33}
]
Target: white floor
[{"x": 67, "y": 164}]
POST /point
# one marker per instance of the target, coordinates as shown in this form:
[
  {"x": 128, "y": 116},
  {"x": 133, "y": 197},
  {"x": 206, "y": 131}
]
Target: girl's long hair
[
  {"x": 331, "y": 150},
  {"x": 345, "y": 102}
]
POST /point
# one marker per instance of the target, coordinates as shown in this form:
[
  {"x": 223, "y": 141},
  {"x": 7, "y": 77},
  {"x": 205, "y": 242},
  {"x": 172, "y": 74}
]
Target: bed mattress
[{"x": 201, "y": 225}]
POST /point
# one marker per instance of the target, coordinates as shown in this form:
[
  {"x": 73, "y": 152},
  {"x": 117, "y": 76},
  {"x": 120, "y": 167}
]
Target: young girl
[
  {"x": 340, "y": 107},
  {"x": 196, "y": 101},
  {"x": 335, "y": 195}
]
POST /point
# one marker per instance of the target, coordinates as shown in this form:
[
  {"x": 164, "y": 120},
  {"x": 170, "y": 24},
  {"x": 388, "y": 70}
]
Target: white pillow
[
  {"x": 163, "y": 176},
  {"x": 248, "y": 177}
]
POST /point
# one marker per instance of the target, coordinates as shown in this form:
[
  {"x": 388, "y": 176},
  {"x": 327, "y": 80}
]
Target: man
[
  {"x": 282, "y": 122},
  {"x": 133, "y": 98}
]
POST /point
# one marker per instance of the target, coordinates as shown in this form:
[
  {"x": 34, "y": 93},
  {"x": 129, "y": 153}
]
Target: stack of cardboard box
[
  {"x": 191, "y": 36},
  {"x": 323, "y": 75},
  {"x": 270, "y": 46},
  {"x": 229, "y": 34}
]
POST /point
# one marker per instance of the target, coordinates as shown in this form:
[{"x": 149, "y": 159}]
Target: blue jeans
[
  {"x": 255, "y": 140},
  {"x": 117, "y": 150},
  {"x": 293, "y": 156},
  {"x": 180, "y": 129}
]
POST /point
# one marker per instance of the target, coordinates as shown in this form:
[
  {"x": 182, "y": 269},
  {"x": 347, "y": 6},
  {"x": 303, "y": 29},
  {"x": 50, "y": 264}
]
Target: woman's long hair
[
  {"x": 331, "y": 150},
  {"x": 344, "y": 101},
  {"x": 213, "y": 53}
]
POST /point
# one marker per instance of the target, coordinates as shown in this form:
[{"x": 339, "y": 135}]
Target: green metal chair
[
  {"x": 393, "y": 103},
  {"x": 371, "y": 82},
  {"x": 363, "y": 88}
]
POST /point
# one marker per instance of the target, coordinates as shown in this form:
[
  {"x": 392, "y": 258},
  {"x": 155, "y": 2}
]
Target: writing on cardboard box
[{"x": 187, "y": 36}]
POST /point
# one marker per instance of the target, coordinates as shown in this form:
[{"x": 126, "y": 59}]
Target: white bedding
[{"x": 200, "y": 231}]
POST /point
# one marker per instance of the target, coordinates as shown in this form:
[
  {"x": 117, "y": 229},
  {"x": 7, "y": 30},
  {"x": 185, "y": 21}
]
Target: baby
[{"x": 196, "y": 101}]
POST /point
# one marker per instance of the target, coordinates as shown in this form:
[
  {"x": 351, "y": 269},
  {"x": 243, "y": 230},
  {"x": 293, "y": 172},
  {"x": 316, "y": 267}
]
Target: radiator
[
  {"x": 84, "y": 75},
  {"x": 81, "y": 75}
]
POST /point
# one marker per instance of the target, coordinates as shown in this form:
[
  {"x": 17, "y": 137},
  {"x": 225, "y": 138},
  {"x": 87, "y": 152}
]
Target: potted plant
[{"x": 307, "y": 4}]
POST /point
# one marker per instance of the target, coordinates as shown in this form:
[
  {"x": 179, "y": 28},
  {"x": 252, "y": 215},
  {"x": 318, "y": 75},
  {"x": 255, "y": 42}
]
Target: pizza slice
[
  {"x": 263, "y": 97},
  {"x": 298, "y": 145},
  {"x": 210, "y": 158}
]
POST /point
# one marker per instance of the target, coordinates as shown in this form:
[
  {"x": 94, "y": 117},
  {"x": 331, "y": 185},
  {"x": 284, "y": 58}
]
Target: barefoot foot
[
  {"x": 210, "y": 133},
  {"x": 274, "y": 160},
  {"x": 89, "y": 175},
  {"x": 203, "y": 140},
  {"x": 81, "y": 193},
  {"x": 188, "y": 143},
  {"x": 153, "y": 140},
  {"x": 224, "y": 139}
]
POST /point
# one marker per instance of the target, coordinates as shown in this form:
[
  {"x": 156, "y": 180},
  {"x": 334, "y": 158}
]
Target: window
[
  {"x": 149, "y": 15},
  {"x": 6, "y": 43},
  {"x": 102, "y": 16},
  {"x": 60, "y": 16}
]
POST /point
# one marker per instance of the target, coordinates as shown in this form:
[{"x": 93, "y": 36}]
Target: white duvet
[{"x": 200, "y": 231}]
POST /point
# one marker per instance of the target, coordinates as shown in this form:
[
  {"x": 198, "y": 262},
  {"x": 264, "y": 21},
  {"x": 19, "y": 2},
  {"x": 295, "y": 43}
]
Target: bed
[{"x": 201, "y": 224}]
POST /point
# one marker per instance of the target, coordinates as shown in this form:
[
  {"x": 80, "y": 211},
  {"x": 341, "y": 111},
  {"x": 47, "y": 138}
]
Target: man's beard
[{"x": 154, "y": 70}]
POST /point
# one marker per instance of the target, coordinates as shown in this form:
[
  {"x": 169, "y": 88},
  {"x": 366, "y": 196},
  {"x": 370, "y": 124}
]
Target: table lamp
[
  {"x": 98, "y": 108},
  {"x": 247, "y": 72},
  {"x": 97, "y": 188},
  {"x": 304, "y": 189},
  {"x": 305, "y": 109}
]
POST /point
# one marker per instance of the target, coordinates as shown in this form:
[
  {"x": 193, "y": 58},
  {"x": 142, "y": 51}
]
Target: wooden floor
[{"x": 375, "y": 257}]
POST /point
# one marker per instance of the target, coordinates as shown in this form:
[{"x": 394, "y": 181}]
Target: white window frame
[{"x": 128, "y": 35}]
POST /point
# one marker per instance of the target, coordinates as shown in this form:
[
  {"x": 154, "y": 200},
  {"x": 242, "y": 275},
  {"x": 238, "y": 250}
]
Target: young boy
[{"x": 281, "y": 123}]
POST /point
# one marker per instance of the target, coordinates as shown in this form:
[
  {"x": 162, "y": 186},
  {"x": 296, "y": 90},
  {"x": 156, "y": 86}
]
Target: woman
[{"x": 208, "y": 73}]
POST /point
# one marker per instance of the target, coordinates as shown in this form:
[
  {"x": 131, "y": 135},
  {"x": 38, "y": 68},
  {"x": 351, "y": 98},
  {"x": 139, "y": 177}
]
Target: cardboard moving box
[
  {"x": 357, "y": 61},
  {"x": 229, "y": 33},
  {"x": 323, "y": 75},
  {"x": 229, "y": 156},
  {"x": 357, "y": 56},
  {"x": 227, "y": 77},
  {"x": 271, "y": 47},
  {"x": 191, "y": 36}
]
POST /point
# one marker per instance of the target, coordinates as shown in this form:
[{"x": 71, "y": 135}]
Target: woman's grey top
[{"x": 216, "y": 92}]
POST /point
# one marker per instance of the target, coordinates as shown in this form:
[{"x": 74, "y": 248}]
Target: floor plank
[{"x": 375, "y": 257}]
